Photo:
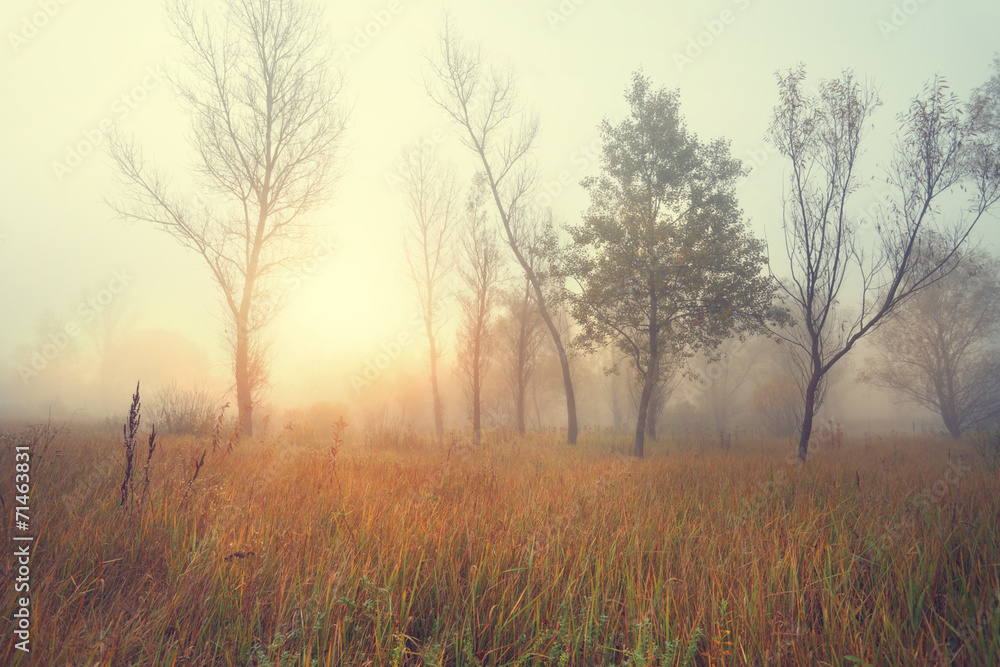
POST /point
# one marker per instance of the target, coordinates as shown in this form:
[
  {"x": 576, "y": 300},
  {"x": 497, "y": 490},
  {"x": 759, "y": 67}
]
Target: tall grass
[{"x": 518, "y": 553}]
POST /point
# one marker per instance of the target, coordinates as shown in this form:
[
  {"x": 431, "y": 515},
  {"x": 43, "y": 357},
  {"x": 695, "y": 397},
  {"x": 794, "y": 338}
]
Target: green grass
[{"x": 520, "y": 553}]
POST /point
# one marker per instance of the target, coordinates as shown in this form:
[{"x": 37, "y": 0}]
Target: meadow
[{"x": 331, "y": 549}]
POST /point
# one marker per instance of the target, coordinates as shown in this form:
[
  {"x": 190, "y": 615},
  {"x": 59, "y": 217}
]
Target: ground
[{"x": 880, "y": 551}]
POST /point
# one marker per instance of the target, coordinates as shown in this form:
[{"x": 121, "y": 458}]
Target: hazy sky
[{"x": 68, "y": 67}]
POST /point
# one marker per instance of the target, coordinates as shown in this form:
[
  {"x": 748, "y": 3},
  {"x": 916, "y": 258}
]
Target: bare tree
[
  {"x": 480, "y": 271},
  {"x": 266, "y": 126},
  {"x": 522, "y": 337},
  {"x": 941, "y": 349},
  {"x": 777, "y": 405},
  {"x": 986, "y": 103},
  {"x": 937, "y": 151},
  {"x": 495, "y": 128},
  {"x": 615, "y": 386},
  {"x": 723, "y": 375},
  {"x": 431, "y": 197}
]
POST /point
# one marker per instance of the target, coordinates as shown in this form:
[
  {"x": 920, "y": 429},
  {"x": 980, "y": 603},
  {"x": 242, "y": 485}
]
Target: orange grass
[{"x": 520, "y": 553}]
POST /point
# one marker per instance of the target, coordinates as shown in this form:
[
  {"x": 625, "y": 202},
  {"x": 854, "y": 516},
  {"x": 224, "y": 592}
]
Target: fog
[{"x": 94, "y": 304}]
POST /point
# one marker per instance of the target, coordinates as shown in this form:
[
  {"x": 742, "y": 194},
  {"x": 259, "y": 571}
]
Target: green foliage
[{"x": 664, "y": 256}]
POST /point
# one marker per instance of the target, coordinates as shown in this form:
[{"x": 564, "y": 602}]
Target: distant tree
[
  {"x": 664, "y": 260},
  {"x": 53, "y": 357},
  {"x": 985, "y": 106},
  {"x": 937, "y": 151},
  {"x": 184, "y": 411},
  {"x": 483, "y": 104},
  {"x": 616, "y": 386},
  {"x": 267, "y": 123},
  {"x": 670, "y": 377},
  {"x": 432, "y": 199},
  {"x": 721, "y": 377},
  {"x": 941, "y": 349},
  {"x": 777, "y": 405},
  {"x": 521, "y": 334},
  {"x": 110, "y": 329},
  {"x": 479, "y": 269}
]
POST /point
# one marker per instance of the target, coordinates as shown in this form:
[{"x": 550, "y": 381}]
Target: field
[{"x": 881, "y": 551}]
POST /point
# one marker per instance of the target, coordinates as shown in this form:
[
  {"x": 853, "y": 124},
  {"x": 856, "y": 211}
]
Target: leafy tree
[
  {"x": 941, "y": 349},
  {"x": 664, "y": 259}
]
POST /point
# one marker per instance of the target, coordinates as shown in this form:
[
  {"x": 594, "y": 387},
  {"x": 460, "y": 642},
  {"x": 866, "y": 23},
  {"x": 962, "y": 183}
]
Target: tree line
[{"x": 662, "y": 268}]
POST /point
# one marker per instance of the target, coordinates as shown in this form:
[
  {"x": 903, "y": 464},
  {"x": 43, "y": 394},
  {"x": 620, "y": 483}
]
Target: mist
[{"x": 509, "y": 256}]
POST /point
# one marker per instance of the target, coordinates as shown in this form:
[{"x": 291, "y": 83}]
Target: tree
[
  {"x": 616, "y": 387},
  {"x": 522, "y": 337},
  {"x": 266, "y": 126},
  {"x": 723, "y": 375},
  {"x": 664, "y": 260},
  {"x": 663, "y": 390},
  {"x": 936, "y": 152},
  {"x": 480, "y": 272},
  {"x": 777, "y": 404},
  {"x": 941, "y": 349},
  {"x": 986, "y": 103},
  {"x": 493, "y": 126},
  {"x": 431, "y": 198}
]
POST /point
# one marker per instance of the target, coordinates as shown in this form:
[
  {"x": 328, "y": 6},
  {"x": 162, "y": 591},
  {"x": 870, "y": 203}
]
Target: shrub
[{"x": 185, "y": 411}]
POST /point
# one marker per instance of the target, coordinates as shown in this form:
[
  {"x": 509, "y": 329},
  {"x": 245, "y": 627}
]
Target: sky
[{"x": 71, "y": 68}]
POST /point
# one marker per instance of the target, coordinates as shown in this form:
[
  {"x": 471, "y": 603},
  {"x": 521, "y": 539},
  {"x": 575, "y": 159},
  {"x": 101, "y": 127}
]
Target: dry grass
[{"x": 516, "y": 554}]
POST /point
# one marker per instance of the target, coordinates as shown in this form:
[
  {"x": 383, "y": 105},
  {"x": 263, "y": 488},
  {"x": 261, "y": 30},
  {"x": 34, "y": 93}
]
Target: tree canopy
[{"x": 664, "y": 259}]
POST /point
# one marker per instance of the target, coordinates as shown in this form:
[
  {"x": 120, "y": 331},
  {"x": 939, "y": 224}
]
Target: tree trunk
[
  {"x": 435, "y": 390},
  {"x": 807, "y": 416},
  {"x": 476, "y": 380},
  {"x": 564, "y": 362},
  {"x": 244, "y": 399},
  {"x": 652, "y": 371},
  {"x": 640, "y": 425},
  {"x": 943, "y": 383},
  {"x": 543, "y": 309},
  {"x": 521, "y": 386},
  {"x": 950, "y": 416},
  {"x": 519, "y": 409},
  {"x": 651, "y": 415}
]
